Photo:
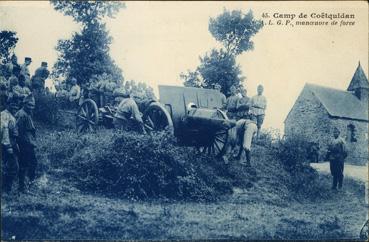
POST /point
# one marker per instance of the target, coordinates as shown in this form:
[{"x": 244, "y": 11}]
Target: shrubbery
[
  {"x": 130, "y": 165},
  {"x": 293, "y": 153},
  {"x": 46, "y": 109},
  {"x": 135, "y": 166}
]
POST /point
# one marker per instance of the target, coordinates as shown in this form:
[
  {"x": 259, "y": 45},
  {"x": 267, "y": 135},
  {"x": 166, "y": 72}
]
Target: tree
[
  {"x": 191, "y": 79},
  {"x": 220, "y": 68},
  {"x": 234, "y": 30},
  {"x": 88, "y": 12},
  {"x": 8, "y": 41},
  {"x": 86, "y": 54}
]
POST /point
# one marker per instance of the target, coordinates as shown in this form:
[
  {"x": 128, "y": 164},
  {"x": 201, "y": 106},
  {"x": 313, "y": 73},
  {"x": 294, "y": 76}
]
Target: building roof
[
  {"x": 359, "y": 80},
  {"x": 340, "y": 104}
]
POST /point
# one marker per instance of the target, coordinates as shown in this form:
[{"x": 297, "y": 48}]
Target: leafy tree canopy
[
  {"x": 234, "y": 30},
  {"x": 88, "y": 12},
  {"x": 85, "y": 55},
  {"x": 191, "y": 79},
  {"x": 216, "y": 67},
  {"x": 8, "y": 41}
]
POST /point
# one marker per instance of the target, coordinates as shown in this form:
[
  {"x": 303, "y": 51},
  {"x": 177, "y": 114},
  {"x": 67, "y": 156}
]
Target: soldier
[
  {"x": 75, "y": 91},
  {"x": 20, "y": 91},
  {"x": 11, "y": 65},
  {"x": 336, "y": 155},
  {"x": 26, "y": 142},
  {"x": 3, "y": 96},
  {"x": 13, "y": 79},
  {"x": 231, "y": 103},
  {"x": 25, "y": 71},
  {"x": 249, "y": 130},
  {"x": 243, "y": 105},
  {"x": 258, "y": 106},
  {"x": 9, "y": 146},
  {"x": 128, "y": 116},
  {"x": 41, "y": 74},
  {"x": 223, "y": 97}
]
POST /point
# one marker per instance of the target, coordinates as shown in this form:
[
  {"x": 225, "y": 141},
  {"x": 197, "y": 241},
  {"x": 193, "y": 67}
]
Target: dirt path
[{"x": 355, "y": 172}]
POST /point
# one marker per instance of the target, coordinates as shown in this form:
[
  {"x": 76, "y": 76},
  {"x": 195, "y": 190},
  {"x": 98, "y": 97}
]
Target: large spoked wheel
[
  {"x": 217, "y": 146},
  {"x": 157, "y": 118},
  {"x": 217, "y": 141},
  {"x": 87, "y": 116},
  {"x": 364, "y": 232}
]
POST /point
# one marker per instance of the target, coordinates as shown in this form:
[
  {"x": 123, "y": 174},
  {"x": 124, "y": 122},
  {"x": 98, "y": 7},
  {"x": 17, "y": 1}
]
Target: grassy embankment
[{"x": 231, "y": 202}]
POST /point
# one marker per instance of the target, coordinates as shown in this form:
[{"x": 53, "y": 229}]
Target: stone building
[{"x": 319, "y": 109}]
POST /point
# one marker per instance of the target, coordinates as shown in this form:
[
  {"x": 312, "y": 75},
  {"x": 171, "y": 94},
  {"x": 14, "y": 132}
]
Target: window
[{"x": 351, "y": 133}]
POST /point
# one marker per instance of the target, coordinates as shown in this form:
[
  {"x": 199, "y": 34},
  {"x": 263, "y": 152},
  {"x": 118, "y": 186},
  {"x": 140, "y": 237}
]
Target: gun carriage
[{"x": 193, "y": 115}]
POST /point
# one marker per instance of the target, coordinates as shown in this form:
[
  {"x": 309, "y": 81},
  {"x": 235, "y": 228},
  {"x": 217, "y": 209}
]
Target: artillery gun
[{"x": 193, "y": 115}]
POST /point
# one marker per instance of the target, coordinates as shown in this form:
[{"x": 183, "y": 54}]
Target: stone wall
[
  {"x": 357, "y": 150},
  {"x": 310, "y": 119}
]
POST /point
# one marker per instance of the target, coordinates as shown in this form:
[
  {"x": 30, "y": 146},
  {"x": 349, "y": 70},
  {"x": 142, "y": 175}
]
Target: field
[{"x": 264, "y": 208}]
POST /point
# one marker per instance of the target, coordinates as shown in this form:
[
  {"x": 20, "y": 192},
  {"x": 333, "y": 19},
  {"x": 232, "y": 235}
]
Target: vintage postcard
[{"x": 184, "y": 120}]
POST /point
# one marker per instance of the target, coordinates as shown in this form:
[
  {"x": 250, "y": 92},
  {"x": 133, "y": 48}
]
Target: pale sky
[{"x": 154, "y": 42}]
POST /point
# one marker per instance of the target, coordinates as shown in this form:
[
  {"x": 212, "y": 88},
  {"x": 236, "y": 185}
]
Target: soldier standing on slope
[{"x": 336, "y": 155}]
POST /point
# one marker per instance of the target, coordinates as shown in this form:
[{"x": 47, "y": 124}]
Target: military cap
[
  {"x": 44, "y": 64},
  {"x": 28, "y": 59}
]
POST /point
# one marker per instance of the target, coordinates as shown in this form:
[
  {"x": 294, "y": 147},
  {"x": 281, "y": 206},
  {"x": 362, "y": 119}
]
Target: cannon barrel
[{"x": 209, "y": 119}]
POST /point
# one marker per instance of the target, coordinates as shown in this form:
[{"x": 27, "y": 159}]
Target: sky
[{"x": 154, "y": 42}]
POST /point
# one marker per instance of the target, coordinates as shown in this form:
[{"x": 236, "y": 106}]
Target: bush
[
  {"x": 292, "y": 151},
  {"x": 130, "y": 165},
  {"x": 46, "y": 109}
]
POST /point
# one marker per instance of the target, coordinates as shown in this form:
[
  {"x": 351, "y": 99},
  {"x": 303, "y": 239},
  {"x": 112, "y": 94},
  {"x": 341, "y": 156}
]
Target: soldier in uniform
[
  {"x": 41, "y": 74},
  {"x": 26, "y": 142},
  {"x": 223, "y": 97},
  {"x": 75, "y": 92},
  {"x": 231, "y": 104},
  {"x": 9, "y": 146},
  {"x": 258, "y": 106},
  {"x": 11, "y": 65},
  {"x": 20, "y": 91},
  {"x": 13, "y": 79},
  {"x": 3, "y": 96},
  {"x": 243, "y": 105},
  {"x": 128, "y": 116},
  {"x": 336, "y": 155},
  {"x": 25, "y": 71},
  {"x": 246, "y": 131}
]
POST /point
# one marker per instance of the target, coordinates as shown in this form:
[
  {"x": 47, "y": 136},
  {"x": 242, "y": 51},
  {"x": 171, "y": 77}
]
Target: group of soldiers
[
  {"x": 16, "y": 80},
  {"x": 249, "y": 114},
  {"x": 18, "y": 133}
]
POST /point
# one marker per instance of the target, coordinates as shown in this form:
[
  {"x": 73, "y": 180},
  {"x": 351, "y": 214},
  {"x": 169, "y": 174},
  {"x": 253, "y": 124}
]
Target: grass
[{"x": 262, "y": 206}]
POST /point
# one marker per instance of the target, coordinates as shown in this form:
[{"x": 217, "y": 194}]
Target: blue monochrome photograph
[{"x": 184, "y": 120}]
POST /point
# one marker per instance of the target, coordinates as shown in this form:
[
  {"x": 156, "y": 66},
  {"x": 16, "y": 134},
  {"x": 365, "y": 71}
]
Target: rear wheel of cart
[
  {"x": 217, "y": 141},
  {"x": 87, "y": 116},
  {"x": 157, "y": 118}
]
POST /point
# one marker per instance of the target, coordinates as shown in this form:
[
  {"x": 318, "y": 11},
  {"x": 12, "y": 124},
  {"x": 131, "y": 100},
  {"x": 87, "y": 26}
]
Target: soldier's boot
[
  {"x": 239, "y": 154},
  {"x": 9, "y": 179},
  {"x": 142, "y": 128},
  {"x": 248, "y": 158},
  {"x": 7, "y": 183},
  {"x": 22, "y": 175},
  {"x": 334, "y": 184},
  {"x": 340, "y": 181}
]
